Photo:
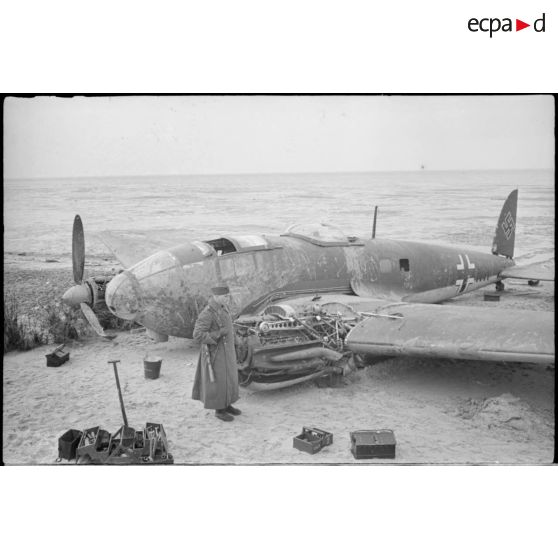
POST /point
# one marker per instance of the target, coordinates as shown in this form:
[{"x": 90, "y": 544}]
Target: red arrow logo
[{"x": 519, "y": 25}]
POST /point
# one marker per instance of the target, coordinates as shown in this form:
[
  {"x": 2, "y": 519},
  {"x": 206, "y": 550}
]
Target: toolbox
[
  {"x": 367, "y": 444},
  {"x": 58, "y": 356},
  {"x": 312, "y": 440},
  {"x": 125, "y": 447},
  {"x": 68, "y": 443}
]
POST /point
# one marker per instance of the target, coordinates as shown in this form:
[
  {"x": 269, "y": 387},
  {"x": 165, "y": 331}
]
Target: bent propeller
[{"x": 84, "y": 292}]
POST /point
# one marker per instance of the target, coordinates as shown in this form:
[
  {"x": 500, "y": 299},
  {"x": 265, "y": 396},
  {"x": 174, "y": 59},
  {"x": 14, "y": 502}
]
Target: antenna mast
[{"x": 374, "y": 224}]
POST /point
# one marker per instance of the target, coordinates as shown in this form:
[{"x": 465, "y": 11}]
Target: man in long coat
[{"x": 216, "y": 380}]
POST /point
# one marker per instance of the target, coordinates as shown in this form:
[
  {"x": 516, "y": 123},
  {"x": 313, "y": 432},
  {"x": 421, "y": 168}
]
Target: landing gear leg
[{"x": 500, "y": 286}]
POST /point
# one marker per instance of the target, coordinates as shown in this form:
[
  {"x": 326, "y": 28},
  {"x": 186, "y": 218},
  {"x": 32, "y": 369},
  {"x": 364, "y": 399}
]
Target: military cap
[{"x": 220, "y": 290}]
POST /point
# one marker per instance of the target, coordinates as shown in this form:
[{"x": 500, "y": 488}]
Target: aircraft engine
[{"x": 281, "y": 345}]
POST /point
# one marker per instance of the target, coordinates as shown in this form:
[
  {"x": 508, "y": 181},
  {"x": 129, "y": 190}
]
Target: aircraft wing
[
  {"x": 130, "y": 248},
  {"x": 462, "y": 332},
  {"x": 540, "y": 272}
]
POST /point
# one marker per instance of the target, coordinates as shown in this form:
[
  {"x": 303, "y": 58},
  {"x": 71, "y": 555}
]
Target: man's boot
[
  {"x": 222, "y": 414},
  {"x": 233, "y": 411}
]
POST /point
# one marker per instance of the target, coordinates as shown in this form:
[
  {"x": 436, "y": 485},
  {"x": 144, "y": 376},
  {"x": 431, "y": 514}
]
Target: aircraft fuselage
[{"x": 166, "y": 291}]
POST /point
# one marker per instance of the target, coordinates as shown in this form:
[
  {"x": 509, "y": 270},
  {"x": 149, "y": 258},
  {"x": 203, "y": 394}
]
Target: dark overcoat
[{"x": 224, "y": 390}]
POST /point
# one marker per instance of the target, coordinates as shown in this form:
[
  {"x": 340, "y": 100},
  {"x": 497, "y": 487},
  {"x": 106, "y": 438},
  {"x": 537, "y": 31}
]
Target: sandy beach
[{"x": 442, "y": 411}]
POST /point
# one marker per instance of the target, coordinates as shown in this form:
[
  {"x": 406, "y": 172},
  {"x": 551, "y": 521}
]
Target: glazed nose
[{"x": 122, "y": 296}]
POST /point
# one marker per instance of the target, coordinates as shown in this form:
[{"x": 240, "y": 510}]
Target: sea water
[{"x": 433, "y": 206}]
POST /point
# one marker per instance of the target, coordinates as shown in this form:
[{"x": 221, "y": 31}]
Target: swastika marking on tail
[{"x": 508, "y": 225}]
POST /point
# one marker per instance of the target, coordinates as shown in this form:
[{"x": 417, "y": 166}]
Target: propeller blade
[
  {"x": 93, "y": 321},
  {"x": 78, "y": 249}
]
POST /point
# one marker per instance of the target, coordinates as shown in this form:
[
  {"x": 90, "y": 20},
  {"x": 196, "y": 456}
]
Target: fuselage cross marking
[{"x": 465, "y": 266}]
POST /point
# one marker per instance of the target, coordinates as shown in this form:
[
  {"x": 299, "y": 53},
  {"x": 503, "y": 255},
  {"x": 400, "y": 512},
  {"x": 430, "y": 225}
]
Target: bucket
[{"x": 152, "y": 367}]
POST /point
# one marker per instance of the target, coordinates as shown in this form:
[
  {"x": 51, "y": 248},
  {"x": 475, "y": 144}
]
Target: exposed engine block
[{"x": 281, "y": 344}]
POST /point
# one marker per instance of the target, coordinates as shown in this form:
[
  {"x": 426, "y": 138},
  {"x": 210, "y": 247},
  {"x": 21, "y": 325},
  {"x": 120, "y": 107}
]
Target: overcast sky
[{"x": 57, "y": 137}]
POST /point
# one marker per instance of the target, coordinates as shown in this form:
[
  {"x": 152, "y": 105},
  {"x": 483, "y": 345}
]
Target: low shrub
[
  {"x": 20, "y": 333},
  {"x": 63, "y": 323},
  {"x": 54, "y": 322}
]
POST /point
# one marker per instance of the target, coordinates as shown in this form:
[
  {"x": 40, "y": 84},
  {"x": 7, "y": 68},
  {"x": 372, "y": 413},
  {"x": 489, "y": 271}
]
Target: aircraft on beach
[{"x": 312, "y": 300}]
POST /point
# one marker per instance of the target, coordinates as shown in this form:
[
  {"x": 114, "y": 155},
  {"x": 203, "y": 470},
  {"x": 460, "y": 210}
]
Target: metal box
[
  {"x": 312, "y": 440},
  {"x": 492, "y": 297},
  {"x": 57, "y": 357},
  {"x": 68, "y": 443},
  {"x": 367, "y": 444}
]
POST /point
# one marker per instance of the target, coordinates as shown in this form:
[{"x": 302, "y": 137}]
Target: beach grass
[
  {"x": 35, "y": 315},
  {"x": 19, "y": 331}
]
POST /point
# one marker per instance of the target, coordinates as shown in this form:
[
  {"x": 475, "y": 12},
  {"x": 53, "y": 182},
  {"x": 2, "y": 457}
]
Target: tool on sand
[{"x": 119, "y": 391}]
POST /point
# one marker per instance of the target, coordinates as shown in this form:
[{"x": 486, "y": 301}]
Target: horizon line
[{"x": 146, "y": 175}]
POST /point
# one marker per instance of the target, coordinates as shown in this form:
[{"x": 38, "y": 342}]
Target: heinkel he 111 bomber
[{"x": 314, "y": 301}]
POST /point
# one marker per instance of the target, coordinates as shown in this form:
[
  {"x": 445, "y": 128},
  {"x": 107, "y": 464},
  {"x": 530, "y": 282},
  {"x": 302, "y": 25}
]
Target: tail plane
[{"x": 504, "y": 236}]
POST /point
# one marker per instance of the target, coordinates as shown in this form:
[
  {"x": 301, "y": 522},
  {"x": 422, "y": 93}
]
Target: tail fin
[{"x": 504, "y": 236}]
